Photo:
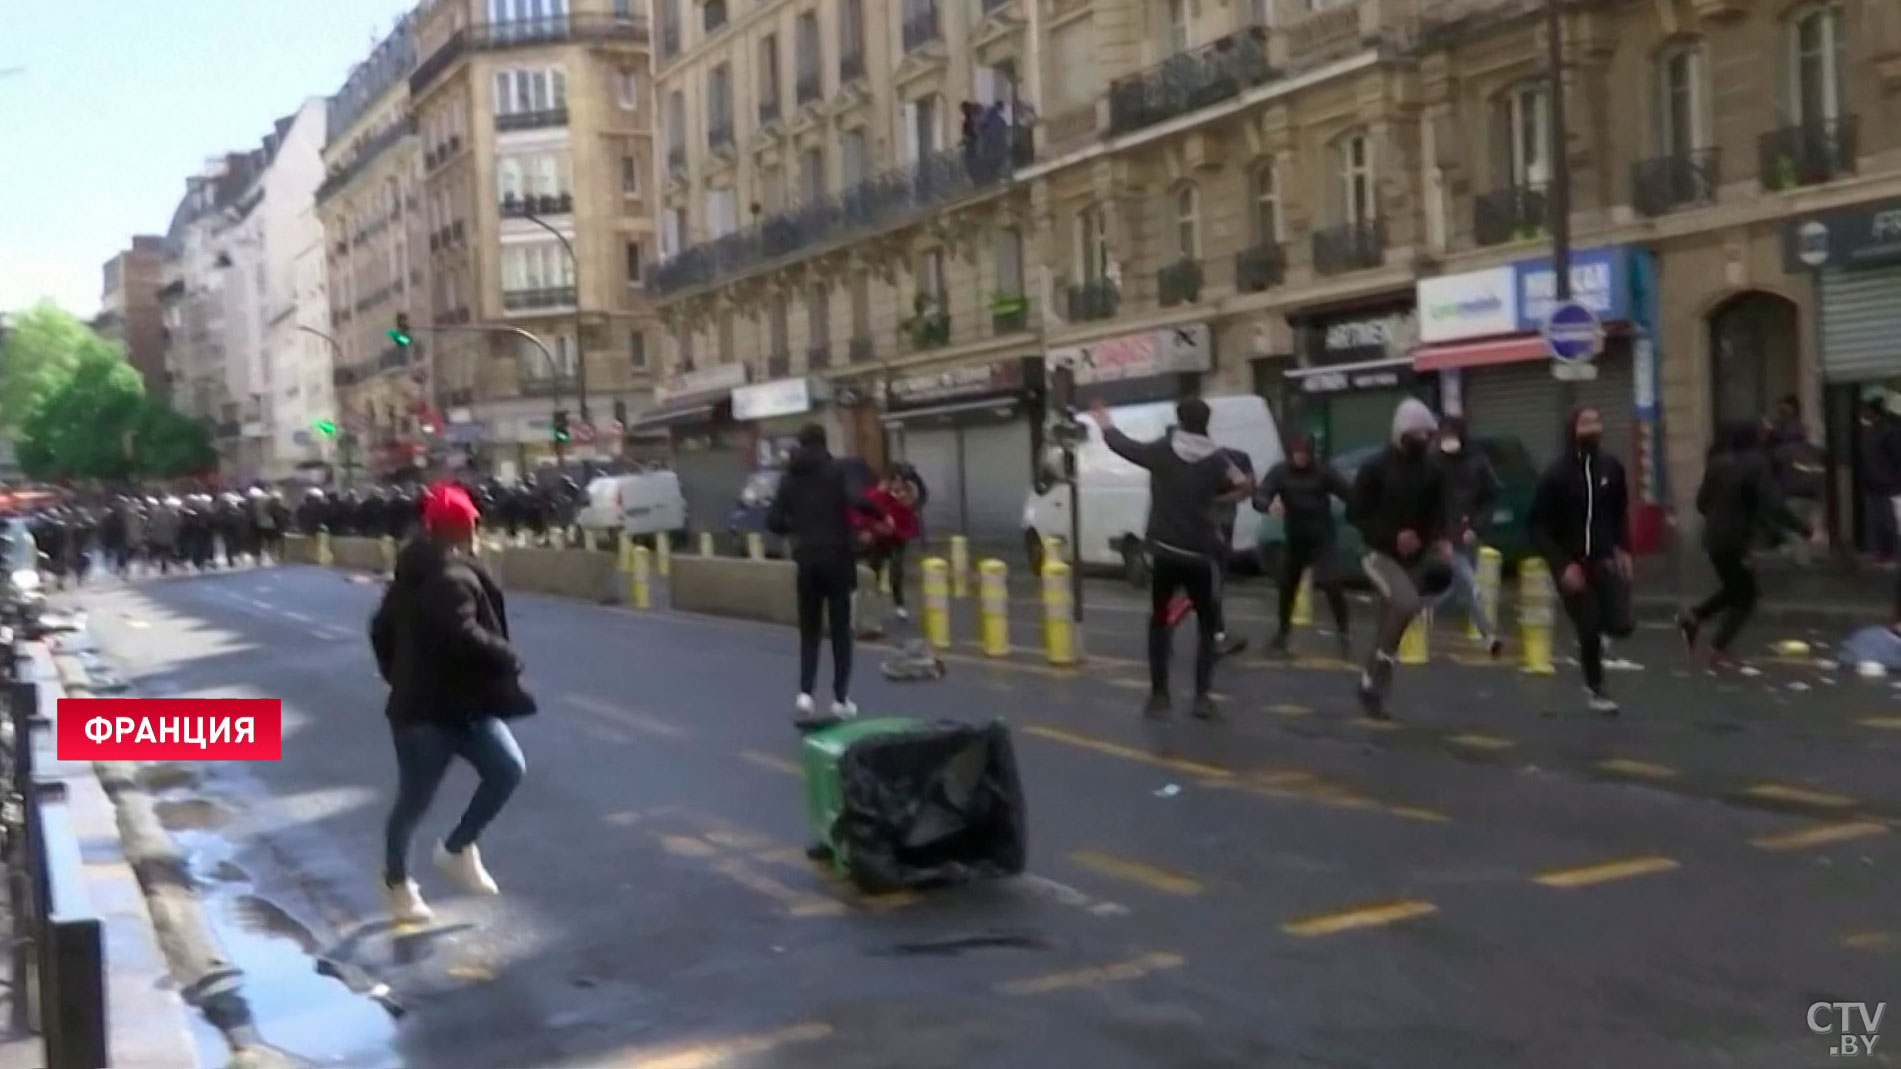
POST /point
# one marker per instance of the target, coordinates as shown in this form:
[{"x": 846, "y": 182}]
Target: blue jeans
[
  {"x": 423, "y": 752},
  {"x": 1465, "y": 590}
]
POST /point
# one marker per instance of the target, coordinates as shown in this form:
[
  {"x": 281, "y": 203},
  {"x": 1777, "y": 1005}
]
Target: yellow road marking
[
  {"x": 1885, "y": 723},
  {"x": 1127, "y": 753},
  {"x": 624, "y": 818},
  {"x": 737, "y": 840},
  {"x": 637, "y": 721},
  {"x": 1869, "y": 940},
  {"x": 720, "y": 1053},
  {"x": 1285, "y": 709},
  {"x": 473, "y": 972},
  {"x": 1624, "y": 766},
  {"x": 1481, "y": 742},
  {"x": 1282, "y": 779},
  {"x": 1416, "y": 812},
  {"x": 1777, "y": 792},
  {"x": 1120, "y": 972},
  {"x": 1315, "y": 664},
  {"x": 1150, "y": 876},
  {"x": 1819, "y": 835},
  {"x": 792, "y": 857},
  {"x": 687, "y": 846},
  {"x": 796, "y": 902},
  {"x": 1371, "y": 724},
  {"x": 1605, "y": 872},
  {"x": 1372, "y": 916},
  {"x": 771, "y": 762}
]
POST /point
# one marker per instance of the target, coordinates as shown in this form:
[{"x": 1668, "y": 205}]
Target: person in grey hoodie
[{"x": 1188, "y": 476}]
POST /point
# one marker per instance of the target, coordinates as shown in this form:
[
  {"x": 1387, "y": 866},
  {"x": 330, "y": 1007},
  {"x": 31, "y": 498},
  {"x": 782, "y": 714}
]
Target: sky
[{"x": 120, "y": 100}]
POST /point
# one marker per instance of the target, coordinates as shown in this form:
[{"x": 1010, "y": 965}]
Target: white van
[
  {"x": 1115, "y": 493},
  {"x": 645, "y": 503}
]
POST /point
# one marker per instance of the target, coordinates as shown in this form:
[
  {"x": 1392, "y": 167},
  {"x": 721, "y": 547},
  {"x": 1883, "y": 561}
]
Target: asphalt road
[{"x": 1497, "y": 879}]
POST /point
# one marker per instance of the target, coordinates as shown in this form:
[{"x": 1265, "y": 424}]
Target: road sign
[
  {"x": 1573, "y": 333},
  {"x": 584, "y": 432}
]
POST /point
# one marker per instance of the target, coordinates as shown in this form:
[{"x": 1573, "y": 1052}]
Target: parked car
[
  {"x": 1517, "y": 478},
  {"x": 646, "y": 505}
]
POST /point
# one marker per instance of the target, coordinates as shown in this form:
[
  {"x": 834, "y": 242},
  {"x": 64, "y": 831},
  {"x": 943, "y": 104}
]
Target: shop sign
[
  {"x": 782, "y": 397},
  {"x": 973, "y": 381},
  {"x": 1478, "y": 304},
  {"x": 1170, "y": 351},
  {"x": 1347, "y": 380},
  {"x": 1368, "y": 336},
  {"x": 716, "y": 379},
  {"x": 1864, "y": 235},
  {"x": 1600, "y": 280}
]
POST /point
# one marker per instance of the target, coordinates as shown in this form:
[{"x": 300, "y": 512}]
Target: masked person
[
  {"x": 1471, "y": 489},
  {"x": 441, "y": 642},
  {"x": 1579, "y": 523},
  {"x": 1188, "y": 475},
  {"x": 1300, "y": 490},
  {"x": 1399, "y": 505}
]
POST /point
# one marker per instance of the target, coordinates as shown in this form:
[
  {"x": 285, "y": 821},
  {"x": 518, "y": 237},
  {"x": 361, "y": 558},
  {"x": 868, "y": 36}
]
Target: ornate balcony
[
  {"x": 861, "y": 350},
  {"x": 1179, "y": 283},
  {"x": 719, "y": 133},
  {"x": 514, "y": 207},
  {"x": 1663, "y": 184},
  {"x": 1517, "y": 213},
  {"x": 1009, "y": 313},
  {"x": 1809, "y": 154},
  {"x": 1260, "y": 268},
  {"x": 818, "y": 357},
  {"x": 364, "y": 156},
  {"x": 1093, "y": 300},
  {"x": 531, "y": 120},
  {"x": 1352, "y": 247},
  {"x": 530, "y": 300},
  {"x": 527, "y": 33},
  {"x": 1190, "y": 81}
]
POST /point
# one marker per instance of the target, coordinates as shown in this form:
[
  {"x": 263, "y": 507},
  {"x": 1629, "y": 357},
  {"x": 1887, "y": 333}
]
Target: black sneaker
[
  {"x": 1204, "y": 708},
  {"x": 1157, "y": 707},
  {"x": 1226, "y": 646},
  {"x": 1689, "y": 627},
  {"x": 1372, "y": 702},
  {"x": 1496, "y": 648},
  {"x": 1277, "y": 645}
]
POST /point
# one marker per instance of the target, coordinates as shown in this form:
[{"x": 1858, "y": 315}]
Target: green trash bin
[{"x": 902, "y": 803}]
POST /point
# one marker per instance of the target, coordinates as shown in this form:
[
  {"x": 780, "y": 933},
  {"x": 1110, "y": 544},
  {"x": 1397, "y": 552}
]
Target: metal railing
[
  {"x": 1092, "y": 299},
  {"x": 1180, "y": 282},
  {"x": 514, "y": 207},
  {"x": 1810, "y": 153},
  {"x": 364, "y": 156},
  {"x": 778, "y": 364},
  {"x": 818, "y": 357},
  {"x": 861, "y": 350},
  {"x": 1260, "y": 267},
  {"x": 546, "y": 297},
  {"x": 1189, "y": 81},
  {"x": 1663, "y": 184},
  {"x": 1009, "y": 313},
  {"x": 530, "y": 120},
  {"x": 1350, "y": 247},
  {"x": 886, "y": 200},
  {"x": 1515, "y": 213},
  {"x": 523, "y": 33}
]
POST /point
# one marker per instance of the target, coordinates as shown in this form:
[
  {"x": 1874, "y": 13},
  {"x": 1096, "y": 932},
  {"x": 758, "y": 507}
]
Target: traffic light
[
  {"x": 401, "y": 334},
  {"x": 325, "y": 428},
  {"x": 561, "y": 425}
]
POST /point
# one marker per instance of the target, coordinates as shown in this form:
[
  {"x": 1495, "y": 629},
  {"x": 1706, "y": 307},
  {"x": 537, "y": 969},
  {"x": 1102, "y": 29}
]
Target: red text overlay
[{"x": 170, "y": 729}]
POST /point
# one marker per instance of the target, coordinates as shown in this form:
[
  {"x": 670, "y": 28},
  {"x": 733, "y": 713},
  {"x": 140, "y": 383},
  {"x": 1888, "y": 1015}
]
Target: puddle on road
[{"x": 309, "y": 1017}]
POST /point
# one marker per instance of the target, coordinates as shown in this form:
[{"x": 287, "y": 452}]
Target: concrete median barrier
[
  {"x": 361, "y": 554},
  {"x": 763, "y": 590},
  {"x": 586, "y": 575},
  {"x": 300, "y": 549}
]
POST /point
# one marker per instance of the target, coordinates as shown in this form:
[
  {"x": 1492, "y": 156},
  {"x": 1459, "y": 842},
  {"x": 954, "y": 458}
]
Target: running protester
[
  {"x": 441, "y": 643},
  {"x": 1471, "y": 489},
  {"x": 1579, "y": 523},
  {"x": 1188, "y": 474},
  {"x": 889, "y": 531},
  {"x": 1300, "y": 490},
  {"x": 1399, "y": 505},
  {"x": 1739, "y": 498}
]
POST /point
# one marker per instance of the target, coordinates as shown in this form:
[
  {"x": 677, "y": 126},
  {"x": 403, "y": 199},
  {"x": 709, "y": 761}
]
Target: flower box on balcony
[{"x": 1009, "y": 312}]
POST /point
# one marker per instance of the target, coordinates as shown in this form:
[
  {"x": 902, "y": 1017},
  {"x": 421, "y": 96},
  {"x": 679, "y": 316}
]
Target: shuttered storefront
[
  {"x": 933, "y": 452},
  {"x": 1861, "y": 324},
  {"x": 1522, "y": 401},
  {"x": 997, "y": 462}
]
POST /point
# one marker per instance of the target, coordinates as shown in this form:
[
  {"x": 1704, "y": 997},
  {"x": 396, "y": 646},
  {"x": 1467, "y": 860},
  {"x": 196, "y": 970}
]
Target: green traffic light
[
  {"x": 326, "y": 428},
  {"x": 399, "y": 338}
]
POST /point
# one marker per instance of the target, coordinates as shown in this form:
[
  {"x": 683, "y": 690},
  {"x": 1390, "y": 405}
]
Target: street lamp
[
  {"x": 574, "y": 260},
  {"x": 346, "y": 440},
  {"x": 1558, "y": 206}
]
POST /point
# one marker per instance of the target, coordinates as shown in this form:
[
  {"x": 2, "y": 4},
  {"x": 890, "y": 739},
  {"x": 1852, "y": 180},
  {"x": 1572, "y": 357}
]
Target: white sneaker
[
  {"x": 844, "y": 710},
  {"x": 466, "y": 869},
  {"x": 903, "y": 613},
  {"x": 406, "y": 905},
  {"x": 803, "y": 706},
  {"x": 1601, "y": 702}
]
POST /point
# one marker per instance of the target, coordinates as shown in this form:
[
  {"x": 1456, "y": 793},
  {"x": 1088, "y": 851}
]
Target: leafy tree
[
  {"x": 83, "y": 428},
  {"x": 166, "y": 444},
  {"x": 43, "y": 350}
]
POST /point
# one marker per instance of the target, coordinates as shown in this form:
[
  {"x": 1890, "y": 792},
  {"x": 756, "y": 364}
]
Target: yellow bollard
[
  {"x": 1052, "y": 551},
  {"x": 1059, "y": 630},
  {"x": 640, "y": 581},
  {"x": 625, "y": 564},
  {"x": 324, "y": 557},
  {"x": 706, "y": 544},
  {"x": 389, "y": 553},
  {"x": 1304, "y": 600},
  {"x": 937, "y": 622},
  {"x": 1412, "y": 644},
  {"x": 1491, "y": 573},
  {"x": 663, "y": 553},
  {"x": 993, "y": 581},
  {"x": 960, "y": 566},
  {"x": 755, "y": 546},
  {"x": 1535, "y": 597}
]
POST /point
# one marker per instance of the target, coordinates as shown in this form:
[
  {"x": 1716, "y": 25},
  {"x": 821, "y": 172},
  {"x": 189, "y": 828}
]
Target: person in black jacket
[
  {"x": 1301, "y": 490},
  {"x": 1739, "y": 496},
  {"x": 813, "y": 508},
  {"x": 1471, "y": 489},
  {"x": 1399, "y": 505},
  {"x": 1188, "y": 475},
  {"x": 441, "y": 642},
  {"x": 1878, "y": 439},
  {"x": 1579, "y": 523},
  {"x": 1801, "y": 470}
]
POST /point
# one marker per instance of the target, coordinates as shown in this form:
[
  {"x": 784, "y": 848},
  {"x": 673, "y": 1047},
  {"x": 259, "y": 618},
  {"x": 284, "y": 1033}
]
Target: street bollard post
[
  {"x": 960, "y": 566},
  {"x": 993, "y": 581},
  {"x": 937, "y": 621},
  {"x": 587, "y": 539},
  {"x": 1059, "y": 631},
  {"x": 1535, "y": 620},
  {"x": 1052, "y": 551},
  {"x": 324, "y": 557},
  {"x": 1304, "y": 600},
  {"x": 755, "y": 546},
  {"x": 1413, "y": 642},
  {"x": 663, "y": 554},
  {"x": 389, "y": 553},
  {"x": 640, "y": 579},
  {"x": 625, "y": 564},
  {"x": 1490, "y": 575},
  {"x": 706, "y": 544}
]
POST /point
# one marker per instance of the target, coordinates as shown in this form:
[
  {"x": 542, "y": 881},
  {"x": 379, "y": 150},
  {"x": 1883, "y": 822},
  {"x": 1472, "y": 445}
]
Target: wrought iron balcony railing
[
  {"x": 1516, "y": 213},
  {"x": 547, "y": 297},
  {"x": 531, "y": 120},
  {"x": 818, "y": 357},
  {"x": 1663, "y": 184},
  {"x": 525, "y": 33},
  {"x": 883, "y": 201},
  {"x": 1189, "y": 81},
  {"x": 861, "y": 350},
  {"x": 514, "y": 207},
  {"x": 364, "y": 156},
  {"x": 1179, "y": 283},
  {"x": 1350, "y": 247},
  {"x": 1809, "y": 154},
  {"x": 1009, "y": 313},
  {"x": 1094, "y": 299},
  {"x": 1260, "y": 267},
  {"x": 392, "y": 358},
  {"x": 920, "y": 26}
]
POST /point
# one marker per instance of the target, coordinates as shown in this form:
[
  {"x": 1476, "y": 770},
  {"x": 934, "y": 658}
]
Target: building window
[
  {"x": 806, "y": 41},
  {"x": 683, "y": 349},
  {"x": 1009, "y": 263},
  {"x": 1816, "y": 45},
  {"x": 1524, "y": 127},
  {"x": 818, "y": 317},
  {"x": 1186, "y": 201},
  {"x": 637, "y": 350},
  {"x": 1680, "y": 127},
  {"x": 771, "y": 188},
  {"x": 932, "y": 283},
  {"x": 769, "y": 71},
  {"x": 778, "y": 328},
  {"x": 861, "y": 305},
  {"x": 1092, "y": 245},
  {"x": 527, "y": 91},
  {"x": 540, "y": 174},
  {"x": 1264, "y": 204},
  {"x": 1175, "y": 27},
  {"x": 633, "y": 263},
  {"x": 1353, "y": 160},
  {"x": 534, "y": 365},
  {"x": 672, "y": 231},
  {"x": 812, "y": 175},
  {"x": 629, "y": 176},
  {"x": 852, "y": 158},
  {"x": 712, "y": 15},
  {"x": 724, "y": 331},
  {"x": 676, "y": 121},
  {"x": 527, "y": 13},
  {"x": 719, "y": 105},
  {"x": 623, "y": 10},
  {"x": 920, "y": 128},
  {"x": 626, "y": 90},
  {"x": 851, "y": 28},
  {"x": 536, "y": 267}
]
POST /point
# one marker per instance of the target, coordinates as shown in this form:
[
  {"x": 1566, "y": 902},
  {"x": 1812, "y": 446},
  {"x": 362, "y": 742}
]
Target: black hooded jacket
[
  {"x": 1739, "y": 495},
  {"x": 1580, "y": 511},
  {"x": 814, "y": 506},
  {"x": 441, "y": 641},
  {"x": 1306, "y": 496}
]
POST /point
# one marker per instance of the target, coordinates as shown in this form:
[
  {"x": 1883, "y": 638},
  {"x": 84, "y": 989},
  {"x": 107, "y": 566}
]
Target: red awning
[{"x": 1514, "y": 349}]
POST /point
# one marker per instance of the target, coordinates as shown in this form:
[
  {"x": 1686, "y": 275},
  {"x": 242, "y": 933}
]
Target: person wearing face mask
[
  {"x": 1471, "y": 488},
  {"x": 1399, "y": 505},
  {"x": 1579, "y": 523},
  {"x": 1301, "y": 490}
]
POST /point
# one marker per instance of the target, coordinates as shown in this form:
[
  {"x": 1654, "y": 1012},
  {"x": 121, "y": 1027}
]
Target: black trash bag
[{"x": 938, "y": 805}]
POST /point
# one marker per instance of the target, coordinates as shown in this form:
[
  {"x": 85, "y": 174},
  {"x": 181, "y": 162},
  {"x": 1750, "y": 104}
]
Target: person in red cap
[{"x": 441, "y": 642}]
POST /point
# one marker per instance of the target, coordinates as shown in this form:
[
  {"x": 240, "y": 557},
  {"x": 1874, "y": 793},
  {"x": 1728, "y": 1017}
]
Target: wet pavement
[{"x": 1498, "y": 878}]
